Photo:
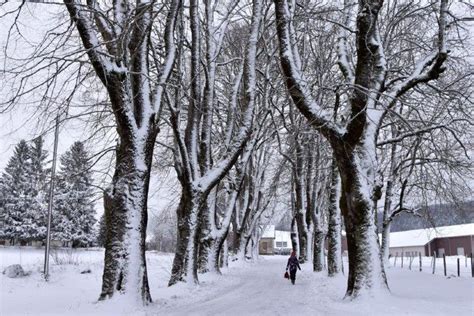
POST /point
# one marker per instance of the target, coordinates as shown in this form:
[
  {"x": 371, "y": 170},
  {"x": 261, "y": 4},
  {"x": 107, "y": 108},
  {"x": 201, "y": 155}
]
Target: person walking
[{"x": 293, "y": 264}]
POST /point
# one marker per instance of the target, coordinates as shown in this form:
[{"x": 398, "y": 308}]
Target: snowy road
[{"x": 261, "y": 290}]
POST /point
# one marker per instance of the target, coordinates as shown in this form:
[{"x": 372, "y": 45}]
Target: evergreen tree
[
  {"x": 38, "y": 176},
  {"x": 74, "y": 207},
  {"x": 102, "y": 231},
  {"x": 21, "y": 205}
]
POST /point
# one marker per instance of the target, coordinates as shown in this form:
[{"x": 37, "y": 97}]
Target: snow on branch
[
  {"x": 414, "y": 133},
  {"x": 167, "y": 66},
  {"x": 295, "y": 81},
  {"x": 342, "y": 50},
  {"x": 220, "y": 169},
  {"x": 89, "y": 39}
]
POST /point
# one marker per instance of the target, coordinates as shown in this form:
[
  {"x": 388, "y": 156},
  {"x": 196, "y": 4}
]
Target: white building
[{"x": 274, "y": 241}]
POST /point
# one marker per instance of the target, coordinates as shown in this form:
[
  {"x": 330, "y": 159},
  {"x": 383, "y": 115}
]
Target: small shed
[{"x": 266, "y": 244}]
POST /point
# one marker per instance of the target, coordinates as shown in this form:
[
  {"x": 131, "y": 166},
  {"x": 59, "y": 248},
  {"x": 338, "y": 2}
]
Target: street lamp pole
[{"x": 50, "y": 201}]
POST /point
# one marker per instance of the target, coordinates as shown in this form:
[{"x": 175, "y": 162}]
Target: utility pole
[{"x": 50, "y": 201}]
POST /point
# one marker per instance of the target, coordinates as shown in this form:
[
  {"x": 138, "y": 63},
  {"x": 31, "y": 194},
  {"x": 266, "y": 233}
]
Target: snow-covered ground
[
  {"x": 245, "y": 289},
  {"x": 427, "y": 265}
]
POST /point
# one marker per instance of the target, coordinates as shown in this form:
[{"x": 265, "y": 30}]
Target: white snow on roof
[
  {"x": 268, "y": 231},
  {"x": 420, "y": 237}
]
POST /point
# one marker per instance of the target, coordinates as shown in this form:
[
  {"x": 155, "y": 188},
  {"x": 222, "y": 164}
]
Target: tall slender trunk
[
  {"x": 224, "y": 259},
  {"x": 385, "y": 242},
  {"x": 387, "y": 207},
  {"x": 318, "y": 250},
  {"x": 334, "y": 223},
  {"x": 386, "y": 221}
]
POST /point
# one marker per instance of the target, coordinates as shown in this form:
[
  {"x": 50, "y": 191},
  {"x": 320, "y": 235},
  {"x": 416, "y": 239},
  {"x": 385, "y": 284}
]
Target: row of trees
[
  {"x": 24, "y": 192},
  {"x": 317, "y": 109}
]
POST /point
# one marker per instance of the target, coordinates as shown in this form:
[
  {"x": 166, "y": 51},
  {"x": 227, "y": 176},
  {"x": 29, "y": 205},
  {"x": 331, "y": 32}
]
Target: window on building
[
  {"x": 284, "y": 244},
  {"x": 279, "y": 244}
]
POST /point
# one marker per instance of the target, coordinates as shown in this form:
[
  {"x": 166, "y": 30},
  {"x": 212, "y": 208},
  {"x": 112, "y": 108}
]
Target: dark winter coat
[{"x": 293, "y": 264}]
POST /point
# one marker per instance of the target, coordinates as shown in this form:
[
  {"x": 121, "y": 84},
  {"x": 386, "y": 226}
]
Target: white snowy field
[
  {"x": 256, "y": 288},
  {"x": 427, "y": 265}
]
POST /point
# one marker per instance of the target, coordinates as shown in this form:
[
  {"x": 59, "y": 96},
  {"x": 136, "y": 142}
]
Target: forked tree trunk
[
  {"x": 185, "y": 259},
  {"x": 215, "y": 254},
  {"x": 125, "y": 204}
]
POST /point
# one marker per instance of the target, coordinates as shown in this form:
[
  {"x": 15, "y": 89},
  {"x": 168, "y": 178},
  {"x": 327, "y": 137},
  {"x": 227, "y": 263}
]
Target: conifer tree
[
  {"x": 21, "y": 207},
  {"x": 74, "y": 211},
  {"x": 38, "y": 182}
]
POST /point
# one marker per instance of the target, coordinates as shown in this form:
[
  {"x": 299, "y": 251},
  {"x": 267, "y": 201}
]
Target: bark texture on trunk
[
  {"x": 184, "y": 262},
  {"x": 318, "y": 250},
  {"x": 126, "y": 220},
  {"x": 366, "y": 270},
  {"x": 334, "y": 224}
]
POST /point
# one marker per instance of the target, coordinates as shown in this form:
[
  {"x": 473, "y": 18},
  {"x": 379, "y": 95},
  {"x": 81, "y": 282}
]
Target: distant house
[
  {"x": 278, "y": 242},
  {"x": 267, "y": 241},
  {"x": 282, "y": 242},
  {"x": 448, "y": 240}
]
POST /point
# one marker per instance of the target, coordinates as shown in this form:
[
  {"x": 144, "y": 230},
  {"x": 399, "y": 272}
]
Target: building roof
[{"x": 420, "y": 237}]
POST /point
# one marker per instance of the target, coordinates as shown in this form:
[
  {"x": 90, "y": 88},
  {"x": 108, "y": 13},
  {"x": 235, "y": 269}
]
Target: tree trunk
[
  {"x": 185, "y": 259},
  {"x": 302, "y": 238},
  {"x": 365, "y": 267},
  {"x": 334, "y": 224},
  {"x": 294, "y": 236},
  {"x": 126, "y": 220},
  {"x": 206, "y": 241},
  {"x": 318, "y": 250},
  {"x": 385, "y": 242},
  {"x": 387, "y": 207},
  {"x": 224, "y": 260}
]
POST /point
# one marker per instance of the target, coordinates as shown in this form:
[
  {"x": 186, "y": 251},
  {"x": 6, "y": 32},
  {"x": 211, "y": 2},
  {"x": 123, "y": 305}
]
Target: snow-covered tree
[
  {"x": 130, "y": 46},
  {"x": 23, "y": 205},
  {"x": 74, "y": 217},
  {"x": 101, "y": 231},
  {"x": 38, "y": 174},
  {"x": 200, "y": 167},
  {"x": 354, "y": 141}
]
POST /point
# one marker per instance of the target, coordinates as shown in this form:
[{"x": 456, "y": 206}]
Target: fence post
[
  {"x": 434, "y": 262},
  {"x": 444, "y": 263},
  {"x": 419, "y": 256},
  {"x": 459, "y": 272},
  {"x": 402, "y": 258}
]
